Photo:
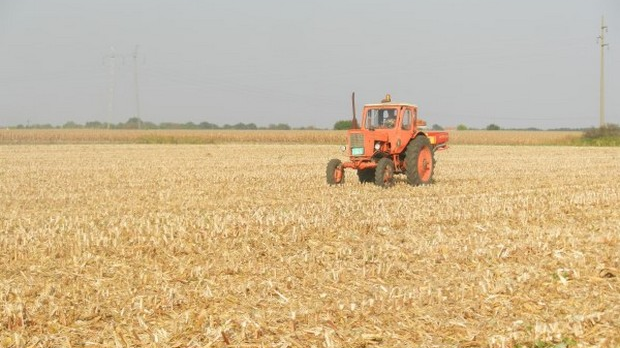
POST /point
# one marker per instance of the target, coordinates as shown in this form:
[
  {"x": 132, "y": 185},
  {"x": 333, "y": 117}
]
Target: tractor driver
[{"x": 390, "y": 122}]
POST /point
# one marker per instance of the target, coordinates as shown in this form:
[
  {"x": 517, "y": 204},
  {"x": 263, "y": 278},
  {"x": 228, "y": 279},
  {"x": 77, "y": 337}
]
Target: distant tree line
[{"x": 136, "y": 123}]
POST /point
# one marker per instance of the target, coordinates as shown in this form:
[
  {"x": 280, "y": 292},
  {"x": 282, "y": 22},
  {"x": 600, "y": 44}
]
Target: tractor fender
[
  {"x": 422, "y": 134},
  {"x": 417, "y": 134}
]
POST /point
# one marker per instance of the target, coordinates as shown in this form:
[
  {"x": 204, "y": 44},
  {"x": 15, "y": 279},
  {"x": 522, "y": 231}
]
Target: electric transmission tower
[
  {"x": 601, "y": 40},
  {"x": 112, "y": 82},
  {"x": 137, "y": 89}
]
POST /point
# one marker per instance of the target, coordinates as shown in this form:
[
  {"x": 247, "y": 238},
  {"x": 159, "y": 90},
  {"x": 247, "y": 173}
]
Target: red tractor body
[{"x": 391, "y": 140}]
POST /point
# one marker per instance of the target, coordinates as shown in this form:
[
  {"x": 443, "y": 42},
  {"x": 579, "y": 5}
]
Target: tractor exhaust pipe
[{"x": 354, "y": 124}]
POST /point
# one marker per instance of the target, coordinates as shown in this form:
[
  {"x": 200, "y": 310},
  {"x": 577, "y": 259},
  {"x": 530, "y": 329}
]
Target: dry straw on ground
[{"x": 246, "y": 246}]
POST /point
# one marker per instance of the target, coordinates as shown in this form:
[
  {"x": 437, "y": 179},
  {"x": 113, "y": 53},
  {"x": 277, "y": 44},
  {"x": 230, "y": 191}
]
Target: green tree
[
  {"x": 132, "y": 123},
  {"x": 461, "y": 127},
  {"x": 242, "y": 125},
  {"x": 149, "y": 125},
  {"x": 72, "y": 125},
  {"x": 169, "y": 125},
  {"x": 280, "y": 126},
  {"x": 610, "y": 130},
  {"x": 493, "y": 126},
  {"x": 208, "y": 125},
  {"x": 437, "y": 127},
  {"x": 343, "y": 125},
  {"x": 94, "y": 124}
]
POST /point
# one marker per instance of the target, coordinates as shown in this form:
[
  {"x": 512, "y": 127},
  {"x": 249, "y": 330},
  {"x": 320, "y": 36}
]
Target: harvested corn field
[{"x": 246, "y": 246}]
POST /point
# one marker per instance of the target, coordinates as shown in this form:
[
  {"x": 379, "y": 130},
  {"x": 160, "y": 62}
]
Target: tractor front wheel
[
  {"x": 335, "y": 172},
  {"x": 420, "y": 161},
  {"x": 384, "y": 173}
]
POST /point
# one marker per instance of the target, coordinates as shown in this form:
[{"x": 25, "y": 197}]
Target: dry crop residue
[{"x": 245, "y": 245}]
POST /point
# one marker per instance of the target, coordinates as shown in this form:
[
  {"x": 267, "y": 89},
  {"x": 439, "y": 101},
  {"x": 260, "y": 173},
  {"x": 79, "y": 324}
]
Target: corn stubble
[{"x": 246, "y": 246}]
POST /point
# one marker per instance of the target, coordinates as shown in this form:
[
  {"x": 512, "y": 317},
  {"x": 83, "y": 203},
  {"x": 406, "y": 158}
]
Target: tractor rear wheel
[
  {"x": 419, "y": 161},
  {"x": 384, "y": 173},
  {"x": 366, "y": 175},
  {"x": 335, "y": 172}
]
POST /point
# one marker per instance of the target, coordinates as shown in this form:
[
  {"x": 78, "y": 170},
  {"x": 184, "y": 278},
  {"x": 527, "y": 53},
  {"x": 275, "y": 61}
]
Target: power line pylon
[
  {"x": 137, "y": 89},
  {"x": 112, "y": 83},
  {"x": 601, "y": 40}
]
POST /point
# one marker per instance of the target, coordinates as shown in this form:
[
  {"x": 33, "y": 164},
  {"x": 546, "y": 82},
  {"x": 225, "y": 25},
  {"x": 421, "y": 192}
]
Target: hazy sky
[{"x": 526, "y": 63}]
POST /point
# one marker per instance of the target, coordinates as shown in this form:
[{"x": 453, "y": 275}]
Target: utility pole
[
  {"x": 602, "y": 86},
  {"x": 112, "y": 72},
  {"x": 137, "y": 89}
]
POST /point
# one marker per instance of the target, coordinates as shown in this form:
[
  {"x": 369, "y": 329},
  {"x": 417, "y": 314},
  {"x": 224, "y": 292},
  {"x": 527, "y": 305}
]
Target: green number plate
[{"x": 357, "y": 151}]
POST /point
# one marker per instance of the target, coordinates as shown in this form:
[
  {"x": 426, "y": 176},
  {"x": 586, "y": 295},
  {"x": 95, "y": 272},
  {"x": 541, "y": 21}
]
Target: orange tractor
[{"x": 391, "y": 140}]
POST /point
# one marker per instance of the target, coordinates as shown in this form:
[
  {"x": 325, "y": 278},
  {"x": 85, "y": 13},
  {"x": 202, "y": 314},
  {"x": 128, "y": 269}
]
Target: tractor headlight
[
  {"x": 377, "y": 146},
  {"x": 343, "y": 148}
]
